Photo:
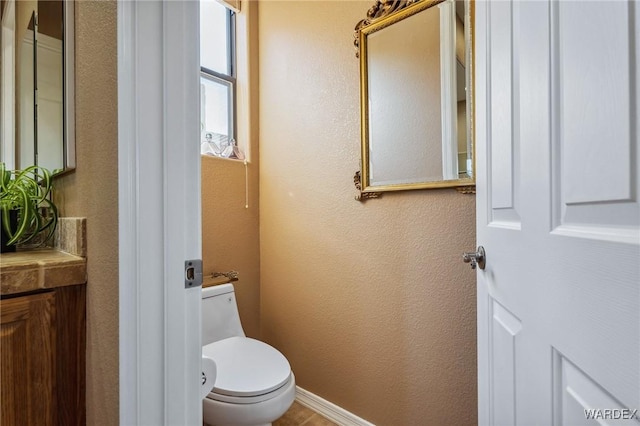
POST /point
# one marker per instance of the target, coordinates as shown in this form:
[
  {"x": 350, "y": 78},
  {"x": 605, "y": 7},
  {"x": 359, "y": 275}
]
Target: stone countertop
[{"x": 25, "y": 271}]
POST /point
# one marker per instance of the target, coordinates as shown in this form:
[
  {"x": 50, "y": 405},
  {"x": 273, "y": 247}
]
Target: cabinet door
[{"x": 27, "y": 360}]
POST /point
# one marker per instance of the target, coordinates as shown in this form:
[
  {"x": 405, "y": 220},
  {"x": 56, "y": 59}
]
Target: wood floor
[{"x": 299, "y": 415}]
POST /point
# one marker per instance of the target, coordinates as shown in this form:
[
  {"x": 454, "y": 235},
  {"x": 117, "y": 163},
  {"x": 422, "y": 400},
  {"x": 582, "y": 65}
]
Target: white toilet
[{"x": 254, "y": 384}]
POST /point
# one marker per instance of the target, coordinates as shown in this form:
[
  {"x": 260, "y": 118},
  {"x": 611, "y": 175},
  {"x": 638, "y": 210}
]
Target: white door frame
[{"x": 159, "y": 212}]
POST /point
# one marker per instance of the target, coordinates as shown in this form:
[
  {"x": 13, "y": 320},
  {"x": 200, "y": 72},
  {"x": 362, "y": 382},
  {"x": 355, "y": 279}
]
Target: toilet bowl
[{"x": 254, "y": 383}]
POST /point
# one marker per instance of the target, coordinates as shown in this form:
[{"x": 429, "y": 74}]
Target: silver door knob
[{"x": 477, "y": 258}]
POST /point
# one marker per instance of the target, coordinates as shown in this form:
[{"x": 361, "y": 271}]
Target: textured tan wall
[
  {"x": 370, "y": 302},
  {"x": 230, "y": 232},
  {"x": 92, "y": 191}
]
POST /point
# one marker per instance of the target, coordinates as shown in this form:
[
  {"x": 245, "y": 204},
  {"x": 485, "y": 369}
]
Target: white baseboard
[{"x": 328, "y": 409}]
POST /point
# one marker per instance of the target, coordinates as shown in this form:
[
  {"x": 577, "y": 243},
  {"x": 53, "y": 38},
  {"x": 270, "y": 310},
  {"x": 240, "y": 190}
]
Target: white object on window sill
[{"x": 220, "y": 145}]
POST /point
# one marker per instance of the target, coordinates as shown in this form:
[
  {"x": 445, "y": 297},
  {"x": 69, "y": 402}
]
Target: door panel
[
  {"x": 594, "y": 131},
  {"x": 591, "y": 59},
  {"x": 557, "y": 211},
  {"x": 576, "y": 392},
  {"x": 503, "y": 116},
  {"x": 505, "y": 328}
]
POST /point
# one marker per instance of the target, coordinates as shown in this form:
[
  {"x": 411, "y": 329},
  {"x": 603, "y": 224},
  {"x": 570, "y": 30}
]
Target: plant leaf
[{"x": 25, "y": 217}]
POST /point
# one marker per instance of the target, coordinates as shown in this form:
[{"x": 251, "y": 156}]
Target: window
[{"x": 217, "y": 80}]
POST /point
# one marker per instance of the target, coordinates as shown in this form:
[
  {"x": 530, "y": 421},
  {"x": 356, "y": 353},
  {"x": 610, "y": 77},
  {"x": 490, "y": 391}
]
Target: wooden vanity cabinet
[
  {"x": 42, "y": 357},
  {"x": 26, "y": 359}
]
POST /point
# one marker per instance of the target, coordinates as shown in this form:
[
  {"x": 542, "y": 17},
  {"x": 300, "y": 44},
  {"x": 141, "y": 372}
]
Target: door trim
[{"x": 159, "y": 212}]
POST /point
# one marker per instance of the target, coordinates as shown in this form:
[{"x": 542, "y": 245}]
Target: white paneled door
[{"x": 557, "y": 100}]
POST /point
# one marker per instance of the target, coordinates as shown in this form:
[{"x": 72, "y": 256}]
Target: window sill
[{"x": 233, "y": 160}]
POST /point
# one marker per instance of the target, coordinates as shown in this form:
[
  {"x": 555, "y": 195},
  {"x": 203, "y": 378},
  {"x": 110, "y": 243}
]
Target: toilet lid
[{"x": 247, "y": 367}]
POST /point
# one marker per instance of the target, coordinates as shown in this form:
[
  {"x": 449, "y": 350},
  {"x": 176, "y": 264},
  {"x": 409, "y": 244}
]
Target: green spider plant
[{"x": 27, "y": 191}]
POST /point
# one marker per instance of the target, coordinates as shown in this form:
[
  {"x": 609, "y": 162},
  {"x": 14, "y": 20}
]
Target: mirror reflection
[
  {"x": 415, "y": 88},
  {"x": 36, "y": 98}
]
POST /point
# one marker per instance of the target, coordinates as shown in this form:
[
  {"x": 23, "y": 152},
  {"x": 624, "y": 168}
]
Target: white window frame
[{"x": 228, "y": 78}]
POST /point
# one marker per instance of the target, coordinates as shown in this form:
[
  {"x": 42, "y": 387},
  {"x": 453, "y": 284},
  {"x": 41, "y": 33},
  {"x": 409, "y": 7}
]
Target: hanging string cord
[{"x": 246, "y": 184}]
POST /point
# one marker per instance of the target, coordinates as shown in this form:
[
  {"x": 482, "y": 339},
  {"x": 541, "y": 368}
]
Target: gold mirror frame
[{"x": 381, "y": 15}]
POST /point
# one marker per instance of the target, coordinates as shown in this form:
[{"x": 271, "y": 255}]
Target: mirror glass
[
  {"x": 416, "y": 96},
  {"x": 36, "y": 97}
]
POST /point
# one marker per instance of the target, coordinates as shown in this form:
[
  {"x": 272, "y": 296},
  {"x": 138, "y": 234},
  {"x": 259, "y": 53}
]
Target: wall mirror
[
  {"x": 37, "y": 84},
  {"x": 416, "y": 96}
]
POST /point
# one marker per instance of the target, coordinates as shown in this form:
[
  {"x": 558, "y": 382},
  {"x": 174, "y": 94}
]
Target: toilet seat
[{"x": 248, "y": 370}]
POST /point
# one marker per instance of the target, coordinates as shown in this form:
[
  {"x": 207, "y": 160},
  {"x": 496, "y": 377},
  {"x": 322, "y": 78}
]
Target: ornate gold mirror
[
  {"x": 416, "y": 95},
  {"x": 37, "y": 84}
]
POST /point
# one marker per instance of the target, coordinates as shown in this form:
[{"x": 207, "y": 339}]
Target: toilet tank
[{"x": 220, "y": 318}]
